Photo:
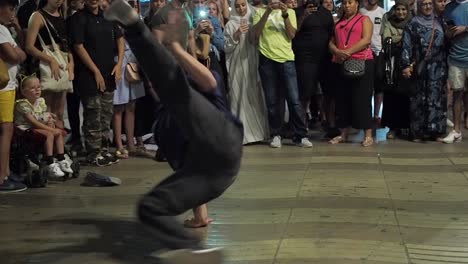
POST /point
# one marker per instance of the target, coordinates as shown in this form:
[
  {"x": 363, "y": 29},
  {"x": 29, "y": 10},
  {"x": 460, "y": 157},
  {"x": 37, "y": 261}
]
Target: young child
[{"x": 31, "y": 114}]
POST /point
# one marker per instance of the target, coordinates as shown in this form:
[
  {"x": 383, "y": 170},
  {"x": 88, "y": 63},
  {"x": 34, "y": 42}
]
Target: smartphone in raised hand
[{"x": 243, "y": 22}]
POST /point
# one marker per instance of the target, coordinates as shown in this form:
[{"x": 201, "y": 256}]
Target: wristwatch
[{"x": 285, "y": 15}]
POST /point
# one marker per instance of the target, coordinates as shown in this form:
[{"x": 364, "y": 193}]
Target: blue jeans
[{"x": 274, "y": 75}]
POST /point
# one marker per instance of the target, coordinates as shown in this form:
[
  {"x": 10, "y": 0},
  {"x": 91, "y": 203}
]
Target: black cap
[{"x": 312, "y": 2}]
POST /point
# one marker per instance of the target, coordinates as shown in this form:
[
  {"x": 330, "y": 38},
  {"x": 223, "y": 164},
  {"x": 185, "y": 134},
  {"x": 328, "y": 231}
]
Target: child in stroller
[{"x": 31, "y": 116}]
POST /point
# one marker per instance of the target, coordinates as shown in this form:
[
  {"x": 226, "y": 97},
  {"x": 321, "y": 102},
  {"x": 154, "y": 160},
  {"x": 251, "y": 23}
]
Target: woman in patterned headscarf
[
  {"x": 395, "y": 114},
  {"x": 423, "y": 49}
]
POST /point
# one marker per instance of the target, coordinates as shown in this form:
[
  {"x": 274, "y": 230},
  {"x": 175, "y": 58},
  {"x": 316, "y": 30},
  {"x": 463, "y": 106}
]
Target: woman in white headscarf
[{"x": 246, "y": 96}]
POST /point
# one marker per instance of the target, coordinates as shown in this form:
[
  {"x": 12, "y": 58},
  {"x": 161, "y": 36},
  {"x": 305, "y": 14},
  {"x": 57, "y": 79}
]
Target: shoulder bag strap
[
  {"x": 351, "y": 30},
  {"x": 52, "y": 40},
  {"x": 431, "y": 42},
  {"x": 51, "y": 25}
]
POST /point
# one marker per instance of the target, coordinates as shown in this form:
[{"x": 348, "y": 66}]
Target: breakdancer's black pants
[{"x": 214, "y": 151}]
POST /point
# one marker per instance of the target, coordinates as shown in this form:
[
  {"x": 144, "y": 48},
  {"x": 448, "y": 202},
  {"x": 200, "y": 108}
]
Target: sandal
[
  {"x": 368, "y": 141},
  {"x": 142, "y": 152},
  {"x": 121, "y": 154},
  {"x": 337, "y": 140}
]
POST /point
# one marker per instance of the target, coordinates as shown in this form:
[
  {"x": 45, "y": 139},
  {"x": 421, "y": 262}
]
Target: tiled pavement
[{"x": 395, "y": 202}]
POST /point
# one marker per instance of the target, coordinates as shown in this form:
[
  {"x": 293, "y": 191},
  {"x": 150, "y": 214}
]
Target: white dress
[
  {"x": 244, "y": 82},
  {"x": 125, "y": 91}
]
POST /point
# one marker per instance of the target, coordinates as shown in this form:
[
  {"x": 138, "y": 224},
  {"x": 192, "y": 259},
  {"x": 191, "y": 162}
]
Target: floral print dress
[{"x": 428, "y": 100}]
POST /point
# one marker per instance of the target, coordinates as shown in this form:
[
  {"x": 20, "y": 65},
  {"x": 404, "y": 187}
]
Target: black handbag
[{"x": 353, "y": 68}]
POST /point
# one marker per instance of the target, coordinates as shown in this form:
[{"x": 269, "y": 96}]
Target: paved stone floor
[{"x": 395, "y": 202}]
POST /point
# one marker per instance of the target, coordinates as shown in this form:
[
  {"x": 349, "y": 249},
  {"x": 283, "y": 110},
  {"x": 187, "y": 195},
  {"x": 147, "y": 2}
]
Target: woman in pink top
[{"x": 353, "y": 97}]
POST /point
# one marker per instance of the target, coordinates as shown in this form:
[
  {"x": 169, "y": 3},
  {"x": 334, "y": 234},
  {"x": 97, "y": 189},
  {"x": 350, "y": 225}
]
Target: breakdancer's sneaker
[
  {"x": 120, "y": 11},
  {"x": 188, "y": 256}
]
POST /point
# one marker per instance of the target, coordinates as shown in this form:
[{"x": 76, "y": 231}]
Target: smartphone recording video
[{"x": 450, "y": 23}]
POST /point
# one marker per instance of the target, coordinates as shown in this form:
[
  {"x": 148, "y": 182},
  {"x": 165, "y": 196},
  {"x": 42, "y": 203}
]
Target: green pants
[{"x": 97, "y": 116}]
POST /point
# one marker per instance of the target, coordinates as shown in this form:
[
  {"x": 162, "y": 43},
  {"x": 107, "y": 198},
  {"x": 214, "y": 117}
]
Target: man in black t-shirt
[
  {"x": 25, "y": 11},
  {"x": 95, "y": 42},
  {"x": 315, "y": 28}
]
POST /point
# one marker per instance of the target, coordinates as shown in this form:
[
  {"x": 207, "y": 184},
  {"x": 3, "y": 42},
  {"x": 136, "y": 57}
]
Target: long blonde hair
[{"x": 220, "y": 12}]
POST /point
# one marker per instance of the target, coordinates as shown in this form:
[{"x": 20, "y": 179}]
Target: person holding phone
[
  {"x": 246, "y": 94},
  {"x": 456, "y": 15},
  {"x": 274, "y": 28},
  {"x": 311, "y": 47}
]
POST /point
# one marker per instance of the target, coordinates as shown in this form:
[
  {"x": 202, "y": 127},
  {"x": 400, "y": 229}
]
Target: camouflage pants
[{"x": 97, "y": 116}]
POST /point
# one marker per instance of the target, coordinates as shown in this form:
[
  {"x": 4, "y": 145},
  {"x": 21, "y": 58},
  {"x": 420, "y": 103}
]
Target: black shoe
[
  {"x": 110, "y": 157},
  {"x": 98, "y": 160},
  {"x": 120, "y": 11},
  {"x": 96, "y": 180},
  {"x": 76, "y": 146},
  {"x": 9, "y": 186},
  {"x": 160, "y": 156}
]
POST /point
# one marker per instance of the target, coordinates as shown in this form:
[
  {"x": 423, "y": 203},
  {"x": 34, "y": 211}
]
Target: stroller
[{"x": 26, "y": 160}]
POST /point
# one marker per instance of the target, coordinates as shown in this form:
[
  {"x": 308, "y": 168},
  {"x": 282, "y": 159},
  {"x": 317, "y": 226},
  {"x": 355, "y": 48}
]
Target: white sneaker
[
  {"x": 65, "y": 166},
  {"x": 453, "y": 136},
  {"x": 186, "y": 256},
  {"x": 55, "y": 171},
  {"x": 305, "y": 143},
  {"x": 450, "y": 123},
  {"x": 33, "y": 165},
  {"x": 276, "y": 142},
  {"x": 68, "y": 159}
]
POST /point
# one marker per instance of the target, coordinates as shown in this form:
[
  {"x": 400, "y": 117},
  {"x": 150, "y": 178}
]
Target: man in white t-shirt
[
  {"x": 375, "y": 13},
  {"x": 12, "y": 56}
]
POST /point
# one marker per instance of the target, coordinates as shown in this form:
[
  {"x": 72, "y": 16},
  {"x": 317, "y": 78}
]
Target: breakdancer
[{"x": 215, "y": 139}]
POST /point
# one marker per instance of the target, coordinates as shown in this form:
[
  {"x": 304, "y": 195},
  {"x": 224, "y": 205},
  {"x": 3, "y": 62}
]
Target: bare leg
[
  {"x": 465, "y": 104},
  {"x": 457, "y": 110},
  {"x": 118, "y": 112},
  {"x": 6, "y": 132},
  {"x": 130, "y": 124},
  {"x": 59, "y": 144},
  {"x": 200, "y": 217},
  {"x": 368, "y": 139},
  {"x": 49, "y": 143}
]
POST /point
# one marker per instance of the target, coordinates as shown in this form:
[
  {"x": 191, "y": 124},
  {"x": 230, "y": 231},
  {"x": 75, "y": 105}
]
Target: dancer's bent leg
[{"x": 214, "y": 152}]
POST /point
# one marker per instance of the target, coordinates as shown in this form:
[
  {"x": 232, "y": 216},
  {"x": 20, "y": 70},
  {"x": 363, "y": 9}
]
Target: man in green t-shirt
[{"x": 275, "y": 27}]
